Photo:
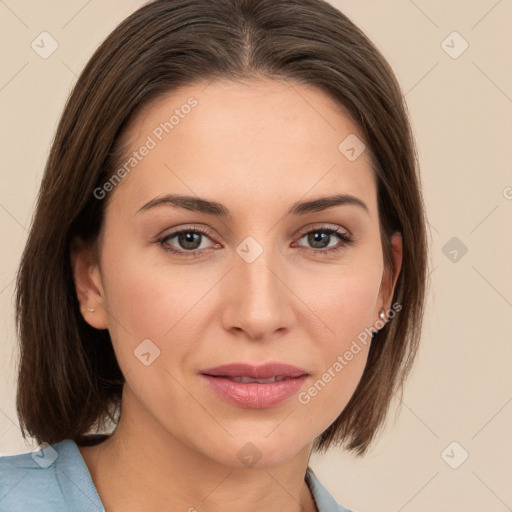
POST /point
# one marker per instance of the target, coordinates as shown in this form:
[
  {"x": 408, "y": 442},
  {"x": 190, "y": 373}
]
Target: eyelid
[
  {"x": 192, "y": 227},
  {"x": 323, "y": 226}
]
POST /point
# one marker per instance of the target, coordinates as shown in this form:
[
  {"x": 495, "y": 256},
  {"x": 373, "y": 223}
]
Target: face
[{"x": 246, "y": 275}]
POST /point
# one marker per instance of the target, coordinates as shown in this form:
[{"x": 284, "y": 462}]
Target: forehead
[{"x": 247, "y": 139}]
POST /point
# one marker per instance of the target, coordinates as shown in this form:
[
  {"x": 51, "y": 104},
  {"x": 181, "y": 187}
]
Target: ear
[
  {"x": 88, "y": 285},
  {"x": 389, "y": 277}
]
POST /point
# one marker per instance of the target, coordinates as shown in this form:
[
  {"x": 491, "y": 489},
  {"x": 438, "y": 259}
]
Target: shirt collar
[{"x": 323, "y": 499}]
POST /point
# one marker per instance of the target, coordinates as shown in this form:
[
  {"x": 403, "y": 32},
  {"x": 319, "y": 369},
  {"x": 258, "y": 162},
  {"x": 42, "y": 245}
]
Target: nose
[{"x": 257, "y": 297}]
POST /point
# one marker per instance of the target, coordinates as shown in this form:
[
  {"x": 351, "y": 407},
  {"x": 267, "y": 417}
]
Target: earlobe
[{"x": 89, "y": 288}]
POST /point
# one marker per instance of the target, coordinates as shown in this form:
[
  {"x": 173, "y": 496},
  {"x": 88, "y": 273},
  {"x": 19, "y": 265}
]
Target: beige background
[{"x": 461, "y": 110}]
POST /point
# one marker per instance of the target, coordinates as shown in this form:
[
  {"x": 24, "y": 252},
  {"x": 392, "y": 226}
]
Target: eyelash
[{"x": 344, "y": 238}]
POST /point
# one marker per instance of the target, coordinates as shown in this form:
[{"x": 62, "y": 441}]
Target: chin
[{"x": 259, "y": 452}]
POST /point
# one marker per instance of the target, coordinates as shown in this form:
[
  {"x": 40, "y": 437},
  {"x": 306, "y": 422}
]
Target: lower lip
[{"x": 254, "y": 395}]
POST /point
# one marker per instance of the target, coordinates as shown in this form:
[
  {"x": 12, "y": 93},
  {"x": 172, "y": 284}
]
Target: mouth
[{"x": 255, "y": 387}]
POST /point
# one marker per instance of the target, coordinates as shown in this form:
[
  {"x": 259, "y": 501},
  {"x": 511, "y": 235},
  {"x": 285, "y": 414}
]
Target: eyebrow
[{"x": 200, "y": 205}]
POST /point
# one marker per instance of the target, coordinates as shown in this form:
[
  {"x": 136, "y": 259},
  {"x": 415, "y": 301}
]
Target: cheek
[
  {"x": 344, "y": 312},
  {"x": 147, "y": 298},
  {"x": 148, "y": 325},
  {"x": 150, "y": 299},
  {"x": 134, "y": 295},
  {"x": 342, "y": 302}
]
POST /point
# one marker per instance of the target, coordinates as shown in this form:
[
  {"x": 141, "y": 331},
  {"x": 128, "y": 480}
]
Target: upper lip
[{"x": 263, "y": 371}]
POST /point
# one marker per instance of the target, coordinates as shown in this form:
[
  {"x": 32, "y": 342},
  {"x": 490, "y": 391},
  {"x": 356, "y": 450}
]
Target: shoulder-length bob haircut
[{"x": 69, "y": 382}]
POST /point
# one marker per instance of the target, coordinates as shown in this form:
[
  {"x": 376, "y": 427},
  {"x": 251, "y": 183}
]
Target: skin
[{"x": 256, "y": 147}]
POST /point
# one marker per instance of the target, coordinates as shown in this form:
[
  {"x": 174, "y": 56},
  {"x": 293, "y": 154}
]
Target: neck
[{"x": 143, "y": 467}]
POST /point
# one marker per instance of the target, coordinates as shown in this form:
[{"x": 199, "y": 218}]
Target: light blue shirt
[{"x": 56, "y": 478}]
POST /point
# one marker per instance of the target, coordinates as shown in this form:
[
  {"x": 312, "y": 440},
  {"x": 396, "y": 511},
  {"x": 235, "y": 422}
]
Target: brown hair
[{"x": 69, "y": 382}]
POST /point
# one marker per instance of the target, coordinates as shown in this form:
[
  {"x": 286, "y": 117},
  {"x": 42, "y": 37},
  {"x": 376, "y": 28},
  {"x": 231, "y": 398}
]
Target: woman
[{"x": 227, "y": 265}]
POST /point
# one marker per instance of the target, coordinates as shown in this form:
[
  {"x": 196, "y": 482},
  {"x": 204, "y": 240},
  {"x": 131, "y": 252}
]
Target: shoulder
[
  {"x": 53, "y": 478},
  {"x": 324, "y": 501}
]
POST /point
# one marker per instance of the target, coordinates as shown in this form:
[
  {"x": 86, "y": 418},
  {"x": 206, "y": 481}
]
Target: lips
[{"x": 255, "y": 387}]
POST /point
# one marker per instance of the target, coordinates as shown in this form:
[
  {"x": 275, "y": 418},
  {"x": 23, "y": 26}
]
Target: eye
[
  {"x": 320, "y": 238},
  {"x": 189, "y": 241}
]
